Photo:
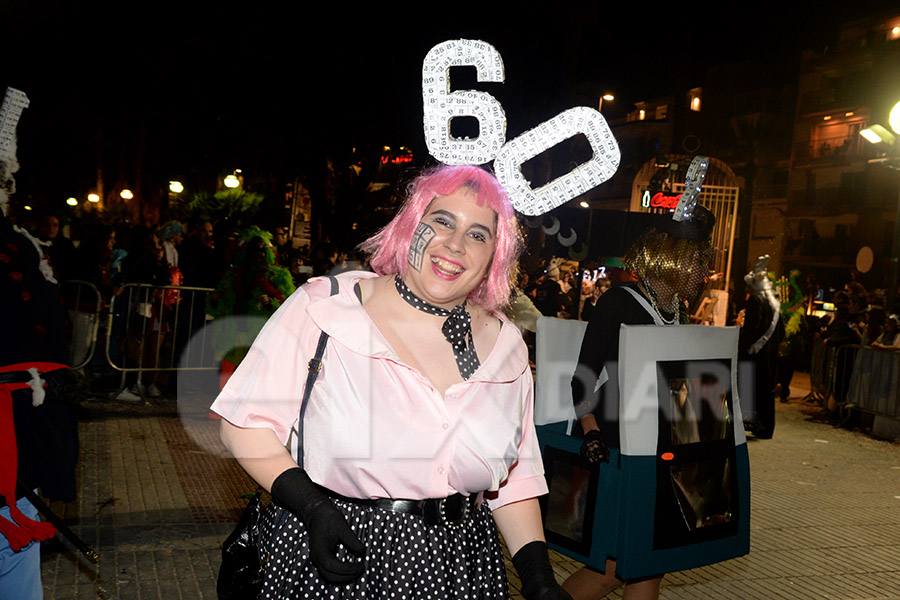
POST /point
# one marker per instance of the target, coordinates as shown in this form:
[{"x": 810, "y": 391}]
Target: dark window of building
[{"x": 852, "y": 188}]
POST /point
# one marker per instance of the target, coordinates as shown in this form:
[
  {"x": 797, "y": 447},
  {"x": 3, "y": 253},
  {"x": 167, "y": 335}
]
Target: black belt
[
  {"x": 452, "y": 510},
  {"x": 16, "y": 377}
]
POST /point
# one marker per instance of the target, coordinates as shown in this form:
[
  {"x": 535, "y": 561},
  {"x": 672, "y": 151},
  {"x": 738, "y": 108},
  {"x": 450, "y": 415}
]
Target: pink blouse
[{"x": 376, "y": 427}]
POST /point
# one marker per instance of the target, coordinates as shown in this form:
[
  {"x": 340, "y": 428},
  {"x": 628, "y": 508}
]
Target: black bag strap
[{"x": 314, "y": 366}]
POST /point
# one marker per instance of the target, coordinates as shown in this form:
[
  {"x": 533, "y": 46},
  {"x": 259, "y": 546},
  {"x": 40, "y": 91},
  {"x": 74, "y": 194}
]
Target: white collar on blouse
[{"x": 343, "y": 318}]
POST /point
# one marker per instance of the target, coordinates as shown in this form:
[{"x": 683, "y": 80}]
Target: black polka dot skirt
[{"x": 406, "y": 559}]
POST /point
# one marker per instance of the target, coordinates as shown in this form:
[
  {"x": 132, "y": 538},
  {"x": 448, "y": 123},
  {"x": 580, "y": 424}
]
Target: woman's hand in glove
[
  {"x": 532, "y": 562},
  {"x": 325, "y": 525},
  {"x": 593, "y": 448},
  {"x": 327, "y": 528}
]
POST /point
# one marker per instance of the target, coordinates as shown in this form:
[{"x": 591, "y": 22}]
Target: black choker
[{"x": 457, "y": 328}]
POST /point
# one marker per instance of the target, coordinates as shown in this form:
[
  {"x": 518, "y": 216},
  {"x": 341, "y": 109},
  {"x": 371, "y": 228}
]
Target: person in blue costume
[{"x": 670, "y": 262}]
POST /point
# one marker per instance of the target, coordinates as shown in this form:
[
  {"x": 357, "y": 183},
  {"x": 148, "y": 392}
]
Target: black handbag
[{"x": 240, "y": 576}]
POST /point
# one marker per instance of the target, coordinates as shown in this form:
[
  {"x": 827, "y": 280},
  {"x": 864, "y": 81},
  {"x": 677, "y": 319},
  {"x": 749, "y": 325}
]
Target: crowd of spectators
[
  {"x": 562, "y": 292},
  {"x": 191, "y": 254},
  {"x": 850, "y": 317},
  {"x": 194, "y": 254},
  {"x": 860, "y": 317}
]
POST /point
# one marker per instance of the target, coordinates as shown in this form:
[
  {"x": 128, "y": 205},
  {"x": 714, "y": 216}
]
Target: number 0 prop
[
  {"x": 508, "y": 164},
  {"x": 441, "y": 106}
]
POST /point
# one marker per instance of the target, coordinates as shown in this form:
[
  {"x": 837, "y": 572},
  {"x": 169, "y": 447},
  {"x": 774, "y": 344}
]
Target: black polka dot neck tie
[{"x": 457, "y": 329}]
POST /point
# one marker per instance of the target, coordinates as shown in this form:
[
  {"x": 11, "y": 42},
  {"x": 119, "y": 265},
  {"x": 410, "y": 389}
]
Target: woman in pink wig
[{"x": 418, "y": 439}]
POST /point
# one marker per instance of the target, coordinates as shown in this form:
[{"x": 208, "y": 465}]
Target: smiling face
[{"x": 452, "y": 249}]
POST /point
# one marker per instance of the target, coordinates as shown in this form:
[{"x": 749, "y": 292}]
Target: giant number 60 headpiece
[
  {"x": 441, "y": 106},
  {"x": 13, "y": 104}
]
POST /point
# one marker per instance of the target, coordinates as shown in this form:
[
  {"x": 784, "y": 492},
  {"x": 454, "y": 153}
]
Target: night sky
[{"x": 219, "y": 86}]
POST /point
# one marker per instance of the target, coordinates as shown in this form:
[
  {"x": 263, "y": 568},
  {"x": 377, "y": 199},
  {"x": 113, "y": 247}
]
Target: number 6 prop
[{"x": 440, "y": 106}]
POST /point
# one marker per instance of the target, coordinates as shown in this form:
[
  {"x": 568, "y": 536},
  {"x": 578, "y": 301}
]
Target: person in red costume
[{"x": 38, "y": 430}]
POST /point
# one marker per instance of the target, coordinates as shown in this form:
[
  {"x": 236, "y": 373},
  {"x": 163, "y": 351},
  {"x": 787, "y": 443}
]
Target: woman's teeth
[{"x": 446, "y": 266}]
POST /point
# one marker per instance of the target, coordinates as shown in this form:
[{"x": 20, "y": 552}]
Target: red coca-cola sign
[
  {"x": 660, "y": 200},
  {"x": 656, "y": 199}
]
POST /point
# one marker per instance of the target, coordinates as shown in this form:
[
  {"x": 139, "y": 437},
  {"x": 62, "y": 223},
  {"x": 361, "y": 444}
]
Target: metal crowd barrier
[
  {"x": 819, "y": 372},
  {"x": 83, "y": 304},
  {"x": 844, "y": 359},
  {"x": 831, "y": 371},
  {"x": 158, "y": 328},
  {"x": 875, "y": 385}
]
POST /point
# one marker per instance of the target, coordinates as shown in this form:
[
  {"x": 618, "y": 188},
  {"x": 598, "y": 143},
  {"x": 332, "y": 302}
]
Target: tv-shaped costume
[
  {"x": 676, "y": 493},
  {"x": 660, "y": 480}
]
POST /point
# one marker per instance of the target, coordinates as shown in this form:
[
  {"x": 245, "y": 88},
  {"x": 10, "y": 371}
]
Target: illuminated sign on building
[
  {"x": 395, "y": 160},
  {"x": 653, "y": 199}
]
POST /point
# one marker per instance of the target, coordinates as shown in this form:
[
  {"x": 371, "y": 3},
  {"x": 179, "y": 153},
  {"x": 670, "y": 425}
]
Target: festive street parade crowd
[{"x": 397, "y": 401}]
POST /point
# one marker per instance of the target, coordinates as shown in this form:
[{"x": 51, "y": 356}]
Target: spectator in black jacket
[
  {"x": 61, "y": 251},
  {"x": 146, "y": 324},
  {"x": 198, "y": 260},
  {"x": 547, "y": 296}
]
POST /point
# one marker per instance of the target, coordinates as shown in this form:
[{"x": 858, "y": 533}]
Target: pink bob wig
[{"x": 388, "y": 248}]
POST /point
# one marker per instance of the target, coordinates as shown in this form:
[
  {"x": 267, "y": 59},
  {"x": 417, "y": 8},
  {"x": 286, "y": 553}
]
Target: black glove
[
  {"x": 532, "y": 562},
  {"x": 593, "y": 448},
  {"x": 325, "y": 525}
]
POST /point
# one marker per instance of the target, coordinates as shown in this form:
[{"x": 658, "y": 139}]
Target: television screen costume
[{"x": 674, "y": 493}]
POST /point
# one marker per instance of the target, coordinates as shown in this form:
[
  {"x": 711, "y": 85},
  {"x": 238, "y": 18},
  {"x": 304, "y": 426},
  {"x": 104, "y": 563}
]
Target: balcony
[
  {"x": 831, "y": 99},
  {"x": 834, "y": 149}
]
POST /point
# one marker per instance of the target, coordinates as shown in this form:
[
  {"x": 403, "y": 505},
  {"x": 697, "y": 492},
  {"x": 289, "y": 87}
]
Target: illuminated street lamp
[
  {"x": 126, "y": 194},
  {"x": 176, "y": 187},
  {"x": 93, "y": 197},
  {"x": 231, "y": 181},
  {"x": 72, "y": 202},
  {"x": 894, "y": 118},
  {"x": 877, "y": 134},
  {"x": 608, "y": 98}
]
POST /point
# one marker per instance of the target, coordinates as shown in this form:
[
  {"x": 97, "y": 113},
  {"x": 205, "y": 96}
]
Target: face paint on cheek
[{"x": 420, "y": 240}]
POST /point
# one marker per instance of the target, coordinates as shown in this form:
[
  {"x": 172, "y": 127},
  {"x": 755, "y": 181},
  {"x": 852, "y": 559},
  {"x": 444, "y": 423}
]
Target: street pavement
[{"x": 158, "y": 496}]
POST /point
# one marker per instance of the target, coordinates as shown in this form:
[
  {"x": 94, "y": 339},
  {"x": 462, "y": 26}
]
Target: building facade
[{"x": 842, "y": 196}]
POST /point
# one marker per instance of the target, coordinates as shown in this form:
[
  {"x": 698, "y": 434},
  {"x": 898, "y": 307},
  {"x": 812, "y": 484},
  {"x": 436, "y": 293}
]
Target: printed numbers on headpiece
[
  {"x": 693, "y": 183},
  {"x": 14, "y": 102},
  {"x": 602, "y": 166},
  {"x": 441, "y": 106}
]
